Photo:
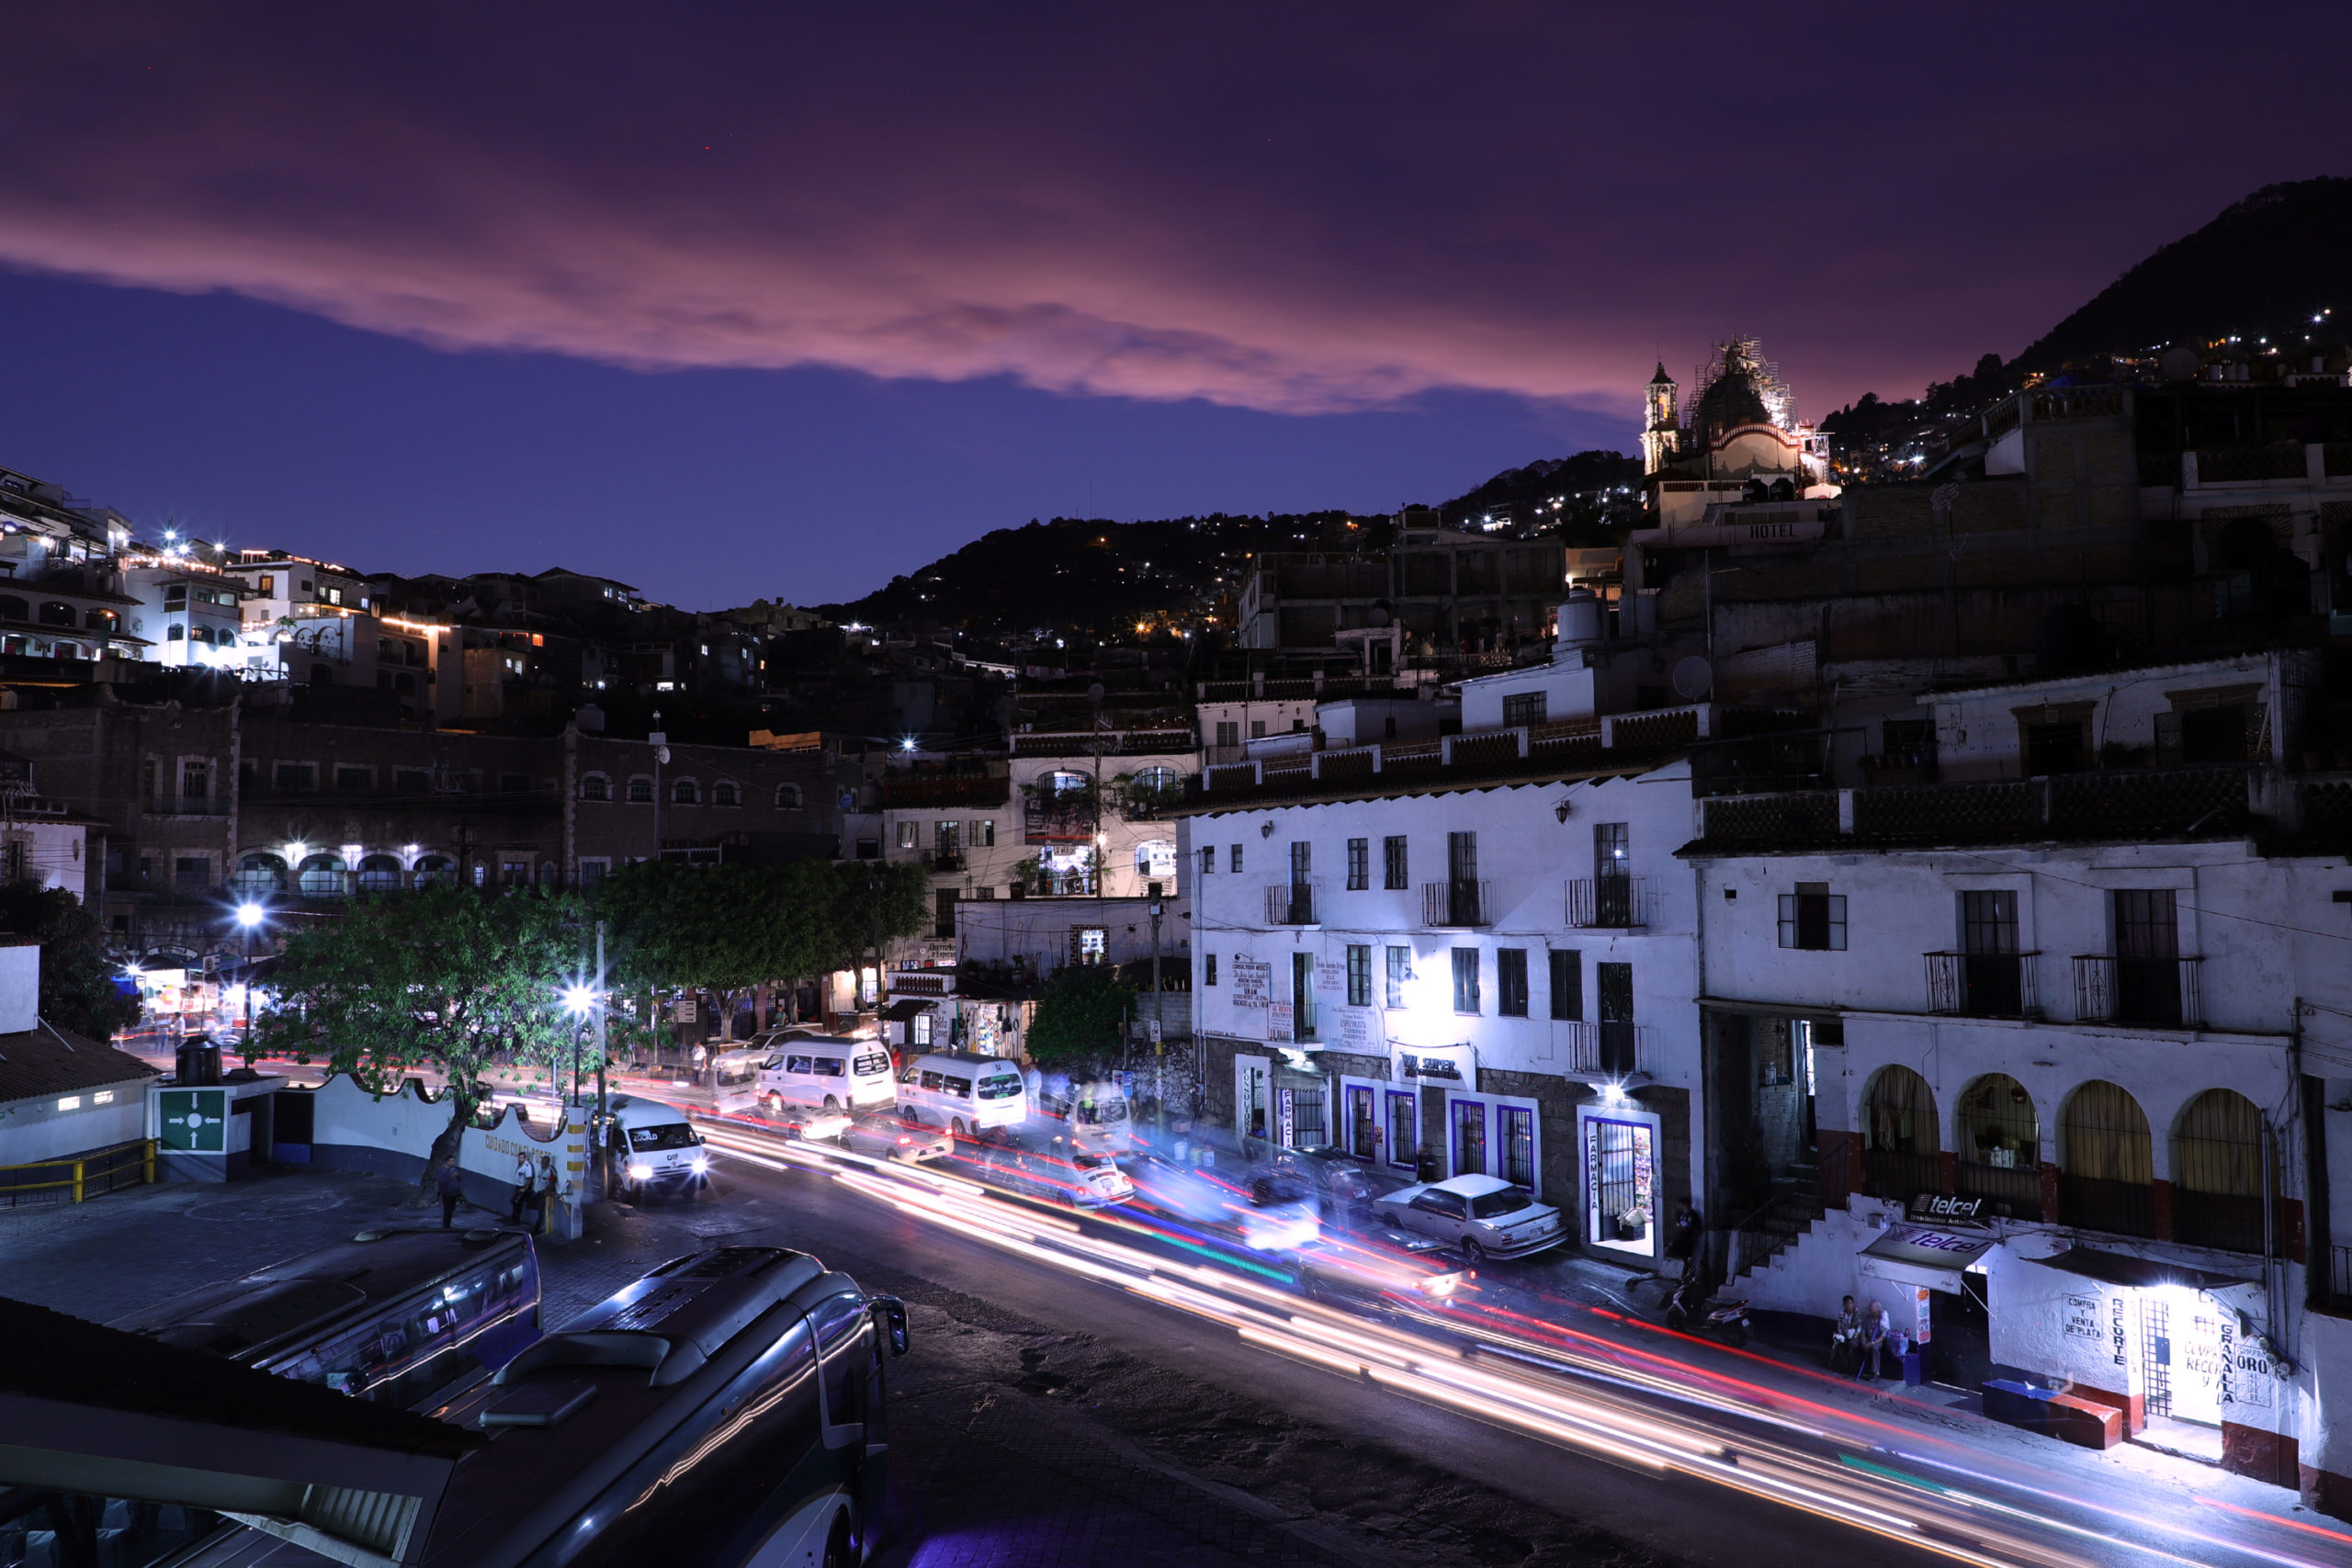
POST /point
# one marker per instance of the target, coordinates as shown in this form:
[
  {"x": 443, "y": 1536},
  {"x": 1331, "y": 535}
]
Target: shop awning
[
  {"x": 2122, "y": 1269},
  {"x": 902, "y": 1011},
  {"x": 1926, "y": 1248}
]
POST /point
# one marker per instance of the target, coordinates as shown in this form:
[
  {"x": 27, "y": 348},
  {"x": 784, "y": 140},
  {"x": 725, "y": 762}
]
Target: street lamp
[
  {"x": 581, "y": 1001},
  {"x": 249, "y": 915}
]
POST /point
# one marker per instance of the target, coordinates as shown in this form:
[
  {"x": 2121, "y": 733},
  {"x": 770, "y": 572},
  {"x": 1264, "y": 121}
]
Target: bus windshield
[
  {"x": 872, "y": 1065},
  {"x": 669, "y": 1135},
  {"x": 1004, "y": 1086},
  {"x": 1101, "y": 1111}
]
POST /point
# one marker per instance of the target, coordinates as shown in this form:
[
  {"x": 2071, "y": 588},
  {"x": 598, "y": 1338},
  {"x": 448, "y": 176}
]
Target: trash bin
[{"x": 1912, "y": 1373}]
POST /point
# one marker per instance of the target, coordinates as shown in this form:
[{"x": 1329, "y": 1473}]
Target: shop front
[
  {"x": 1930, "y": 1279},
  {"x": 1618, "y": 1146}
]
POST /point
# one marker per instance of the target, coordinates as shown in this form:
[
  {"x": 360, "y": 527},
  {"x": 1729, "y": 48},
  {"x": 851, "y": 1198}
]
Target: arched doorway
[
  {"x": 1996, "y": 1139},
  {"x": 1902, "y": 1151},
  {"x": 2217, "y": 1158},
  {"x": 2107, "y": 1180}
]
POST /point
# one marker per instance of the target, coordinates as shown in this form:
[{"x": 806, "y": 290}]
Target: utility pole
[
  {"x": 603, "y": 1001},
  {"x": 1102, "y": 846},
  {"x": 1158, "y": 1031}
]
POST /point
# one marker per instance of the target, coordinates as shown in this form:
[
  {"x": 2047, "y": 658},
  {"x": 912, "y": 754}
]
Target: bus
[
  {"x": 816, "y": 1069},
  {"x": 1097, "y": 1117},
  {"x": 965, "y": 1093},
  {"x": 394, "y": 1316}
]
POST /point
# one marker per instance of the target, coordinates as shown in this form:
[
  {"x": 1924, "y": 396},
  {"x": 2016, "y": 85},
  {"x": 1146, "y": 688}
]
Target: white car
[
  {"x": 881, "y": 1136},
  {"x": 1483, "y": 1217}
]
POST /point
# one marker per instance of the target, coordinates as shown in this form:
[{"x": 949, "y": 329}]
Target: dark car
[{"x": 1339, "y": 1186}]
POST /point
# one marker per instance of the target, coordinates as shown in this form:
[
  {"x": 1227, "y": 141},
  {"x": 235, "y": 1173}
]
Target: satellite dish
[
  {"x": 2179, "y": 363},
  {"x": 1693, "y": 679}
]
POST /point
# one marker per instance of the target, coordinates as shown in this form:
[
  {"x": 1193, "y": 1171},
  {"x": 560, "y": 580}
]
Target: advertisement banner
[
  {"x": 1330, "y": 976},
  {"x": 1252, "y": 982},
  {"x": 1356, "y": 1031},
  {"x": 1278, "y": 1020}
]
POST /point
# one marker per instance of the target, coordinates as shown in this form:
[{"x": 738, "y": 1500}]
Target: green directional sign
[{"x": 195, "y": 1119}]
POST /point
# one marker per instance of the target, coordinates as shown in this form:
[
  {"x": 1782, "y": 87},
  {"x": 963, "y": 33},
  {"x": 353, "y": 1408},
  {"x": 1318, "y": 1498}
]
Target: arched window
[
  {"x": 1998, "y": 1140},
  {"x": 67, "y": 651},
  {"x": 14, "y": 609},
  {"x": 788, "y": 798},
  {"x": 259, "y": 874},
  {"x": 595, "y": 786},
  {"x": 1065, "y": 782},
  {"x": 322, "y": 877},
  {"x": 379, "y": 873},
  {"x": 547, "y": 874},
  {"x": 724, "y": 793},
  {"x": 57, "y": 614},
  {"x": 101, "y": 621},
  {"x": 435, "y": 868},
  {"x": 684, "y": 792},
  {"x": 2106, "y": 1181},
  {"x": 200, "y": 634},
  {"x": 1902, "y": 1151},
  {"x": 176, "y": 633},
  {"x": 2217, "y": 1172},
  {"x": 641, "y": 790}
]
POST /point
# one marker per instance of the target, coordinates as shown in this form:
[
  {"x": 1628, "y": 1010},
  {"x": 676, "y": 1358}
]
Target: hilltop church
[{"x": 1744, "y": 441}]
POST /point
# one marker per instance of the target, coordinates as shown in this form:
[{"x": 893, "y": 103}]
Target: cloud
[{"x": 1333, "y": 211}]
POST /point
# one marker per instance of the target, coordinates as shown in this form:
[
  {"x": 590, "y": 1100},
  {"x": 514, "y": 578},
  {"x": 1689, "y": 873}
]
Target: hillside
[
  {"x": 2263, "y": 268},
  {"x": 1103, "y": 578}
]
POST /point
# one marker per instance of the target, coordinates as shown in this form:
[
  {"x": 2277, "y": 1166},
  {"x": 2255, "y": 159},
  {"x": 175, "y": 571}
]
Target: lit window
[
  {"x": 103, "y": 1097},
  {"x": 70, "y": 1102}
]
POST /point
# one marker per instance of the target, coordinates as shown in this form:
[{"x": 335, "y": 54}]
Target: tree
[
  {"x": 1079, "y": 1014},
  {"x": 77, "y": 988},
  {"x": 442, "y": 977}
]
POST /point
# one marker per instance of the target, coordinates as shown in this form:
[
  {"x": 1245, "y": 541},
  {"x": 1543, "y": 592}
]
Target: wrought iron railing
[
  {"x": 1896, "y": 1173},
  {"x": 2013, "y": 1191},
  {"x": 1608, "y": 1050},
  {"x": 2229, "y": 1221},
  {"x": 2091, "y": 1203},
  {"x": 1294, "y": 903},
  {"x": 1621, "y": 903},
  {"x": 1984, "y": 985},
  {"x": 2164, "y": 993},
  {"x": 1455, "y": 904}
]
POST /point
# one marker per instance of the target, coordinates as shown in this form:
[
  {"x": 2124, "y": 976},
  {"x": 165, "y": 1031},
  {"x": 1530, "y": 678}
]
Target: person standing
[
  {"x": 543, "y": 1194},
  {"x": 524, "y": 1176},
  {"x": 699, "y": 1056},
  {"x": 451, "y": 1185}
]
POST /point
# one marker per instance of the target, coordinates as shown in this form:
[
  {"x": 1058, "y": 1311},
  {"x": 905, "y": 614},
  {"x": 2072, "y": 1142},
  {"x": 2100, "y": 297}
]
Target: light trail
[{"x": 1543, "y": 1380}]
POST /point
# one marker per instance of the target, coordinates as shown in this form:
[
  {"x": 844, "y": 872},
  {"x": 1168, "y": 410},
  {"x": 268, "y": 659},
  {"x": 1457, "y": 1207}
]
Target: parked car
[
  {"x": 1484, "y": 1216},
  {"x": 880, "y": 1136}
]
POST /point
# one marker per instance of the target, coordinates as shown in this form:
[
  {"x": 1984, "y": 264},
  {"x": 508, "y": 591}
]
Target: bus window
[
  {"x": 867, "y": 1066},
  {"x": 1003, "y": 1086},
  {"x": 934, "y": 1082},
  {"x": 668, "y": 1135},
  {"x": 911, "y": 1074}
]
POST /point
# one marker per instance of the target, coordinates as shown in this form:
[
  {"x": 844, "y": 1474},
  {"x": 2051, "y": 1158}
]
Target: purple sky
[{"x": 734, "y": 305}]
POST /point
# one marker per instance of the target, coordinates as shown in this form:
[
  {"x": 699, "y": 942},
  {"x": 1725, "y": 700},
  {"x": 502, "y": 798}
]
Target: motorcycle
[{"x": 1692, "y": 1308}]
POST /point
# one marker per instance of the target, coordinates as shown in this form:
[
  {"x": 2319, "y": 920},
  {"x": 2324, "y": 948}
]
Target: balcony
[
  {"x": 1984, "y": 985},
  {"x": 1456, "y": 906},
  {"x": 2012, "y": 1190},
  {"x": 1613, "y": 1051},
  {"x": 944, "y": 860},
  {"x": 1901, "y": 1174},
  {"x": 2090, "y": 1202},
  {"x": 1294, "y": 903},
  {"x": 1614, "y": 903},
  {"x": 2231, "y": 1221},
  {"x": 2162, "y": 993}
]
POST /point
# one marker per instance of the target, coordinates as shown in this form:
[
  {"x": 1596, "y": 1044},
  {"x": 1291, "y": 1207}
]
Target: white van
[
  {"x": 735, "y": 1079},
  {"x": 819, "y": 1069},
  {"x": 1098, "y": 1117},
  {"x": 963, "y": 1093},
  {"x": 652, "y": 1147}
]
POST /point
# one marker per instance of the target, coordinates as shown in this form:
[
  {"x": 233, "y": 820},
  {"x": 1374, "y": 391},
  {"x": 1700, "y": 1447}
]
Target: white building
[
  {"x": 2039, "y": 1054},
  {"x": 1467, "y": 955}
]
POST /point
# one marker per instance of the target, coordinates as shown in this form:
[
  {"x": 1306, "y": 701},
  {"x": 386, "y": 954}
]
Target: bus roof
[
  {"x": 245, "y": 1318},
  {"x": 972, "y": 1060}
]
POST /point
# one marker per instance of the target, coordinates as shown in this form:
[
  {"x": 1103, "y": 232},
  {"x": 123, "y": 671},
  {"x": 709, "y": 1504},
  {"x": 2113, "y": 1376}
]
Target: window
[
  {"x": 268, "y": 586},
  {"x": 1466, "y": 979},
  {"x": 1462, "y": 857},
  {"x": 176, "y": 633},
  {"x": 1302, "y": 995},
  {"x": 196, "y": 781},
  {"x": 1612, "y": 852},
  {"x": 907, "y": 834},
  {"x": 1208, "y": 859},
  {"x": 1359, "y": 864},
  {"x": 593, "y": 871},
  {"x": 1233, "y": 865},
  {"x": 1469, "y": 1138},
  {"x": 1257, "y": 729},
  {"x": 379, "y": 873},
  {"x": 192, "y": 874},
  {"x": 1089, "y": 944},
  {"x": 942, "y": 912},
  {"x": 1614, "y": 981},
  {"x": 354, "y": 779},
  {"x": 259, "y": 873},
  {"x": 1228, "y": 733},
  {"x": 2055, "y": 747},
  {"x": 411, "y": 781},
  {"x": 1527, "y": 707},
  {"x": 1518, "y": 1145},
  {"x": 1359, "y": 976},
  {"x": 1567, "y": 986},
  {"x": 595, "y": 786},
  {"x": 725, "y": 793},
  {"x": 1393, "y": 856},
  {"x": 1400, "y": 969},
  {"x": 983, "y": 833},
  {"x": 1814, "y": 918},
  {"x": 788, "y": 798},
  {"x": 1208, "y": 969},
  {"x": 1404, "y": 1139},
  {"x": 1510, "y": 982},
  {"x": 294, "y": 777},
  {"x": 1067, "y": 783},
  {"x": 685, "y": 792},
  {"x": 2147, "y": 956},
  {"x": 948, "y": 838},
  {"x": 1302, "y": 861},
  {"x": 320, "y": 876}
]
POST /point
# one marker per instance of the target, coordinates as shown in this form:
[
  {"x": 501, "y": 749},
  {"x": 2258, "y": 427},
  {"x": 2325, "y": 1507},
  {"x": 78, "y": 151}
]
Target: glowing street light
[{"x": 249, "y": 915}]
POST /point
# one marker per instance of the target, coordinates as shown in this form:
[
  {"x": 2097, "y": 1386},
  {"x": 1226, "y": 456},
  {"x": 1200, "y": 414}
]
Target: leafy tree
[
  {"x": 444, "y": 978},
  {"x": 77, "y": 988},
  {"x": 1079, "y": 1014}
]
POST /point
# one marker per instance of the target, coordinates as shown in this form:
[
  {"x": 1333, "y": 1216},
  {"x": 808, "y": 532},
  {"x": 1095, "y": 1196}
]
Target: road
[{"x": 1690, "y": 1450}]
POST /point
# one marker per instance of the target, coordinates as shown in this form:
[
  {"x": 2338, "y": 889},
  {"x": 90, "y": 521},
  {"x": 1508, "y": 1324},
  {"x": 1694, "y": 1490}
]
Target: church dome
[{"x": 1731, "y": 400}]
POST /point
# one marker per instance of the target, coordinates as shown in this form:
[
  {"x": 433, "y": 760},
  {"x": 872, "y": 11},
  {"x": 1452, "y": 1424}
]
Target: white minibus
[
  {"x": 963, "y": 1093},
  {"x": 816, "y": 1069}
]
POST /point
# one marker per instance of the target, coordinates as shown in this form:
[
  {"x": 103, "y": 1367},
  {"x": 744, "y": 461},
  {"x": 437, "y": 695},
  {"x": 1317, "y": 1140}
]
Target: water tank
[
  {"x": 1645, "y": 613},
  {"x": 199, "y": 1064},
  {"x": 1579, "y": 618}
]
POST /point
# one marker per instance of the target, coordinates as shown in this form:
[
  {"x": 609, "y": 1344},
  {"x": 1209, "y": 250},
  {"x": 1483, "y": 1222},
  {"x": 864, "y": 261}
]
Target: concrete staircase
[{"x": 1794, "y": 1209}]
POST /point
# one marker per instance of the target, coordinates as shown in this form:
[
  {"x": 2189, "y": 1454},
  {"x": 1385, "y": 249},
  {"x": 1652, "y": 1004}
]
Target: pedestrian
[
  {"x": 1874, "y": 1329},
  {"x": 524, "y": 1176},
  {"x": 451, "y": 1185},
  {"x": 697, "y": 1056},
  {"x": 543, "y": 1193},
  {"x": 1845, "y": 1340},
  {"x": 1685, "y": 1241}
]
